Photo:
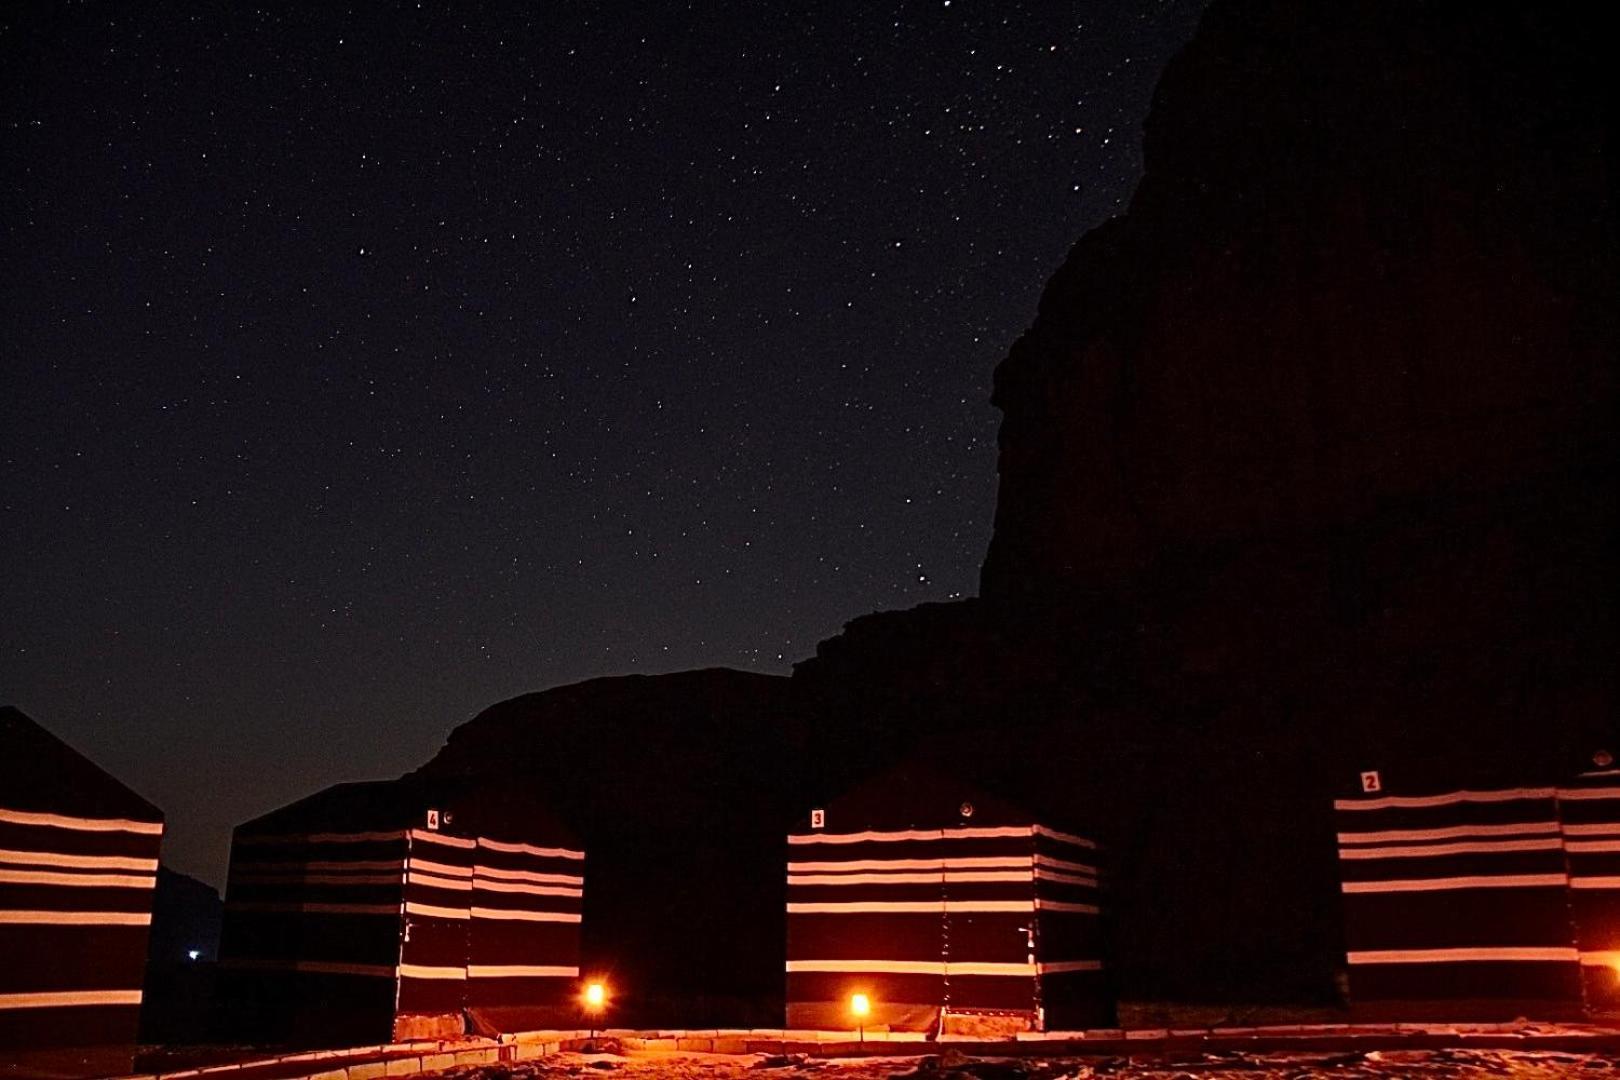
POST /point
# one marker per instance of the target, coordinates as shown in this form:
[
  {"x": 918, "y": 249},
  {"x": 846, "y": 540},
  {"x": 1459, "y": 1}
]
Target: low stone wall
[{"x": 414, "y": 1058}]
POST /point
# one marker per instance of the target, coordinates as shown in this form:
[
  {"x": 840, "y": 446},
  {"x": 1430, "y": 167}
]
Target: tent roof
[
  {"x": 43, "y": 774},
  {"x": 919, "y": 796},
  {"x": 498, "y": 809}
]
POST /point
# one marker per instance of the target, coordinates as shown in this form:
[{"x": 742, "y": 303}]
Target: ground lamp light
[
  {"x": 594, "y": 998},
  {"x": 860, "y": 1006}
]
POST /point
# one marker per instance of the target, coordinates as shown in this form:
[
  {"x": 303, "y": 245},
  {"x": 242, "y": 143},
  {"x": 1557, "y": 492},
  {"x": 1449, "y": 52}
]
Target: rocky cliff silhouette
[{"x": 1305, "y": 469}]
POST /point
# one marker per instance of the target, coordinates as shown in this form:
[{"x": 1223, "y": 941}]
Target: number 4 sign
[{"x": 433, "y": 820}]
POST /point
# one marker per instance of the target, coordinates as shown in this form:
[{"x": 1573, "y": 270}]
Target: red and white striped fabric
[
  {"x": 980, "y": 914},
  {"x": 523, "y": 937},
  {"x": 1589, "y": 818},
  {"x": 1455, "y": 905},
  {"x": 78, "y": 866},
  {"x": 390, "y": 916}
]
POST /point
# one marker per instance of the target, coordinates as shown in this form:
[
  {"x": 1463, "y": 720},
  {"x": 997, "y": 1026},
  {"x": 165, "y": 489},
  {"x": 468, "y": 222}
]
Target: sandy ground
[{"x": 952, "y": 1066}]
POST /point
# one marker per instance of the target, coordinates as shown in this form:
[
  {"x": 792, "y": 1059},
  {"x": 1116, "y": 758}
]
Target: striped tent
[
  {"x": 1456, "y": 905},
  {"x": 1589, "y": 811},
  {"x": 946, "y": 908},
  {"x": 78, "y": 863},
  {"x": 398, "y": 909}
]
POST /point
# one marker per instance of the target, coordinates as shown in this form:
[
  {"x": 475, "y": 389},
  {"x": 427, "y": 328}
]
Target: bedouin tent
[
  {"x": 946, "y": 909},
  {"x": 78, "y": 864},
  {"x": 1589, "y": 814},
  {"x": 402, "y": 909},
  {"x": 1456, "y": 904}
]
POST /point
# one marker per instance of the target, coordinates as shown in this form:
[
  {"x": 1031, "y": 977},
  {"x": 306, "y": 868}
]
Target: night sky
[{"x": 364, "y": 367}]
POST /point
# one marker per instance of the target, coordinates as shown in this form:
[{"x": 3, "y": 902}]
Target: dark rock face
[
  {"x": 681, "y": 788},
  {"x": 1371, "y": 260},
  {"x": 1319, "y": 436},
  {"x": 1306, "y": 468}
]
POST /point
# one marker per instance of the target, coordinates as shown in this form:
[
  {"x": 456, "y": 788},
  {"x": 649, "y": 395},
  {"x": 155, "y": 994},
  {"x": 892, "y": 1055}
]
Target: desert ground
[{"x": 953, "y": 1066}]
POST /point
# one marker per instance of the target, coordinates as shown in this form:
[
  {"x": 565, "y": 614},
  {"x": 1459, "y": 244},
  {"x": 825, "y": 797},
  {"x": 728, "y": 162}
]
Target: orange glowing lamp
[
  {"x": 595, "y": 996},
  {"x": 860, "y": 1005}
]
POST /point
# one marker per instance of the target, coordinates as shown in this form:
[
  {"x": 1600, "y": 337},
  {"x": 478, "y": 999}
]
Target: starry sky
[{"x": 363, "y": 367}]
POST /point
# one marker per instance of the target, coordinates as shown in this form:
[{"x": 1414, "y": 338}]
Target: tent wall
[
  {"x": 336, "y": 934},
  {"x": 75, "y": 912},
  {"x": 1456, "y": 906},
  {"x": 866, "y": 913},
  {"x": 311, "y": 941},
  {"x": 523, "y": 943},
  {"x": 1589, "y": 811},
  {"x": 433, "y": 948},
  {"x": 1074, "y": 987},
  {"x": 932, "y": 922}
]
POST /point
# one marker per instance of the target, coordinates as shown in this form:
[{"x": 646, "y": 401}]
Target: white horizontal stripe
[
  {"x": 427, "y": 867},
  {"x": 1391, "y": 802},
  {"x": 317, "y": 879},
  {"x": 1578, "y": 846},
  {"x": 1604, "y": 829},
  {"x": 530, "y": 849},
  {"x": 436, "y": 911},
  {"x": 1065, "y": 838},
  {"x": 313, "y": 909},
  {"x": 980, "y": 967},
  {"x": 1060, "y": 966},
  {"x": 1060, "y": 905},
  {"x": 301, "y": 866},
  {"x": 966, "y": 877},
  {"x": 1601, "y": 958},
  {"x": 1478, "y": 881},
  {"x": 78, "y": 862},
  {"x": 1452, "y": 956},
  {"x": 521, "y": 971},
  {"x": 1066, "y": 879},
  {"x": 1594, "y": 882},
  {"x": 911, "y": 967},
  {"x": 440, "y": 838},
  {"x": 485, "y": 885},
  {"x": 1063, "y": 864},
  {"x": 527, "y": 875},
  {"x": 319, "y": 838},
  {"x": 80, "y": 880},
  {"x": 62, "y": 821},
  {"x": 987, "y": 862},
  {"x": 1589, "y": 793},
  {"x": 1484, "y": 847},
  {"x": 863, "y": 837},
  {"x": 1450, "y": 832},
  {"x": 312, "y": 967},
  {"x": 77, "y": 918},
  {"x": 886, "y": 967},
  {"x": 517, "y": 915},
  {"x": 935, "y": 878},
  {"x": 425, "y": 971},
  {"x": 57, "y": 999},
  {"x": 874, "y": 906},
  {"x": 435, "y": 882},
  {"x": 893, "y": 835}
]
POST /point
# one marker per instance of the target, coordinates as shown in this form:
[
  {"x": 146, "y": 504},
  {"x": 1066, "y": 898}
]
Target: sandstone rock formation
[{"x": 1305, "y": 468}]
